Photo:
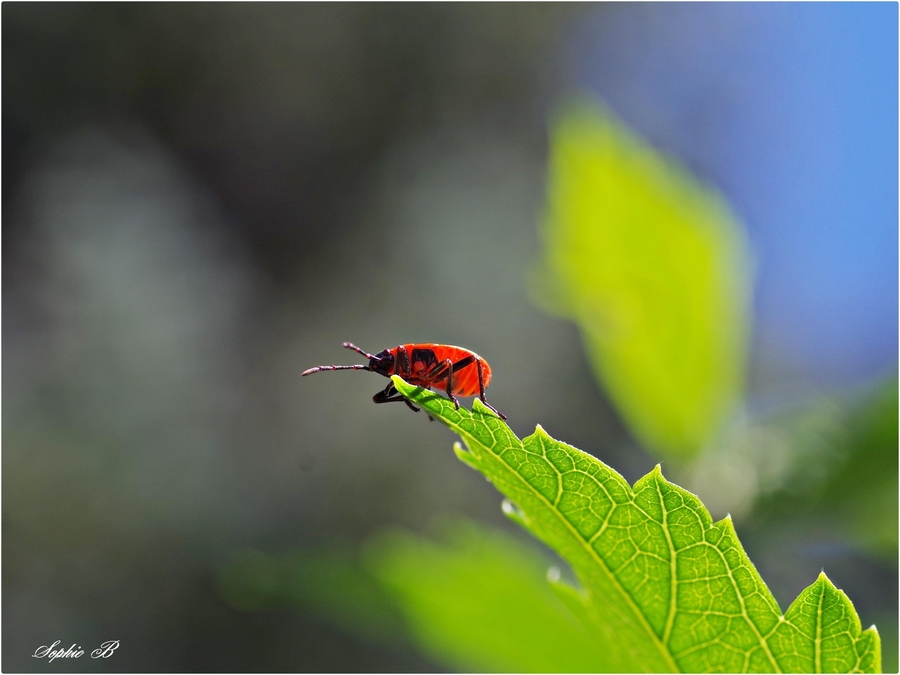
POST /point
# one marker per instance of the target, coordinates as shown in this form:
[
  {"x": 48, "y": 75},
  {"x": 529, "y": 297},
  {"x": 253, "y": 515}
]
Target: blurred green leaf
[
  {"x": 480, "y": 602},
  {"x": 861, "y": 489},
  {"x": 664, "y": 589},
  {"x": 652, "y": 266},
  {"x": 846, "y": 473}
]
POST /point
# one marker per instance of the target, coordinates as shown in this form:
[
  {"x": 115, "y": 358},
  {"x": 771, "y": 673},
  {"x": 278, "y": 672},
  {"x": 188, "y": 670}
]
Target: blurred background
[{"x": 201, "y": 201}]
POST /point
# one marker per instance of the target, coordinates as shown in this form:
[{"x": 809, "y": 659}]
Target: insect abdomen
[{"x": 465, "y": 380}]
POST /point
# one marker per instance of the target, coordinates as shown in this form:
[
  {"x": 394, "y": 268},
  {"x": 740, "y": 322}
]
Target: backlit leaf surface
[
  {"x": 663, "y": 587},
  {"x": 653, "y": 268}
]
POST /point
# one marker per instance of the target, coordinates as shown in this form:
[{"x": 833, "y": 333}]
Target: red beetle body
[
  {"x": 453, "y": 370},
  {"x": 464, "y": 380}
]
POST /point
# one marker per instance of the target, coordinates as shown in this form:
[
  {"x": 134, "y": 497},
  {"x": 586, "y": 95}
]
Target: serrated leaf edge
[
  {"x": 401, "y": 385},
  {"x": 470, "y": 458}
]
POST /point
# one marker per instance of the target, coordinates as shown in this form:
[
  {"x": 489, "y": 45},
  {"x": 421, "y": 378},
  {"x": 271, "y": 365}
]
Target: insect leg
[
  {"x": 438, "y": 369},
  {"x": 436, "y": 372},
  {"x": 449, "y": 365},
  {"x": 481, "y": 392},
  {"x": 447, "y": 368},
  {"x": 403, "y": 369},
  {"x": 391, "y": 395}
]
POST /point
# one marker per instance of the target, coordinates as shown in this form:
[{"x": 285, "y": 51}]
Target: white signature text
[{"x": 54, "y": 651}]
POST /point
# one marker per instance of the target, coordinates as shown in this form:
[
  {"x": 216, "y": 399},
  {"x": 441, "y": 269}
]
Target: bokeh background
[{"x": 202, "y": 200}]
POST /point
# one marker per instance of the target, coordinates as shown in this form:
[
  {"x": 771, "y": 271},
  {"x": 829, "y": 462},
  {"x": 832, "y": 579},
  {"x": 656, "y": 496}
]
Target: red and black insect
[{"x": 454, "y": 370}]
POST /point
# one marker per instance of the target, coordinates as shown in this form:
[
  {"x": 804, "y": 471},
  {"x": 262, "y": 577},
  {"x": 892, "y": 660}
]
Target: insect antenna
[
  {"x": 350, "y": 345},
  {"x": 318, "y": 368}
]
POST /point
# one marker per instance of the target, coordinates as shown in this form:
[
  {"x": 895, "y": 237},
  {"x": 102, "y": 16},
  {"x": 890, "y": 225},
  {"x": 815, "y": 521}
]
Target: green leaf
[
  {"x": 831, "y": 459},
  {"x": 664, "y": 589},
  {"x": 821, "y": 634},
  {"x": 855, "y": 486},
  {"x": 869, "y": 467},
  {"x": 480, "y": 601},
  {"x": 652, "y": 266}
]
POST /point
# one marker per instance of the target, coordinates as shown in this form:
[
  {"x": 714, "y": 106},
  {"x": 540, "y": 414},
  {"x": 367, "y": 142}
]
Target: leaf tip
[
  {"x": 482, "y": 409},
  {"x": 825, "y": 581},
  {"x": 727, "y": 526}
]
